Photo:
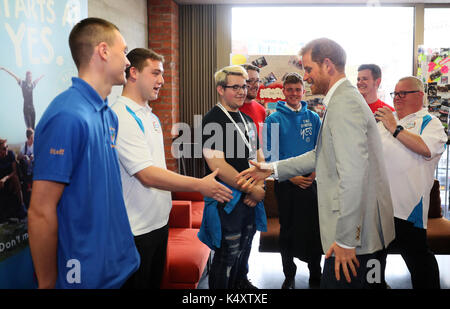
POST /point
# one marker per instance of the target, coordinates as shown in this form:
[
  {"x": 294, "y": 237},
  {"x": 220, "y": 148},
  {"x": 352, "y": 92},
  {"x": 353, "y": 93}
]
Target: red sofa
[
  {"x": 187, "y": 256},
  {"x": 438, "y": 229},
  {"x": 197, "y": 205}
]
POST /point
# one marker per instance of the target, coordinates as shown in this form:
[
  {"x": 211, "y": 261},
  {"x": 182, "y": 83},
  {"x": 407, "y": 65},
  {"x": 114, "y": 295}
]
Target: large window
[
  {"x": 381, "y": 35},
  {"x": 437, "y": 35},
  {"x": 437, "y": 27}
]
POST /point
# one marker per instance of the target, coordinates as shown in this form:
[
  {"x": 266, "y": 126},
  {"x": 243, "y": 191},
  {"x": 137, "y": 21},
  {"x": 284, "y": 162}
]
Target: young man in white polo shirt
[
  {"x": 413, "y": 142},
  {"x": 146, "y": 181}
]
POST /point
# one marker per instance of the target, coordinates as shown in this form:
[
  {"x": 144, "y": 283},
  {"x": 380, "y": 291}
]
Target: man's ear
[
  {"x": 378, "y": 81},
  {"x": 133, "y": 71},
  {"x": 330, "y": 68},
  {"x": 220, "y": 90},
  {"x": 102, "y": 50}
]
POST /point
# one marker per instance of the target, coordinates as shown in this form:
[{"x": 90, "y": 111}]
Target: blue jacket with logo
[{"x": 298, "y": 132}]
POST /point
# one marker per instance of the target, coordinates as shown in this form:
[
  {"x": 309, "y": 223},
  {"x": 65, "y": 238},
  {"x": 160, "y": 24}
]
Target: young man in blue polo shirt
[{"x": 79, "y": 232}]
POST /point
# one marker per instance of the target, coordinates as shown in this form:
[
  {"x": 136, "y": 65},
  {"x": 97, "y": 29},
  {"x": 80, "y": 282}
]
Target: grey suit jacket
[{"x": 355, "y": 206}]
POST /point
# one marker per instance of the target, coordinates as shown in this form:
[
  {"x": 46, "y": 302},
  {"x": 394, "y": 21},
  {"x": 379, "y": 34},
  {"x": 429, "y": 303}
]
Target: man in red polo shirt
[
  {"x": 369, "y": 79},
  {"x": 251, "y": 107}
]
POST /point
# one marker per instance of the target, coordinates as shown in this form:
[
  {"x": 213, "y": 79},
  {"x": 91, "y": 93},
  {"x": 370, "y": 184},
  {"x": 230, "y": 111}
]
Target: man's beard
[
  {"x": 319, "y": 87},
  {"x": 250, "y": 97}
]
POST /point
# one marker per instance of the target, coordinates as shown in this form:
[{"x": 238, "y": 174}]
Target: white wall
[{"x": 130, "y": 17}]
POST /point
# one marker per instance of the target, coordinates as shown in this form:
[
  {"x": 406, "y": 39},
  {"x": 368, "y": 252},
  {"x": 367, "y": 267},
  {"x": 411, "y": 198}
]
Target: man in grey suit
[{"x": 355, "y": 206}]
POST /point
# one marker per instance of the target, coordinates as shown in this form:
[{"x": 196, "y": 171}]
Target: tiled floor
[{"x": 266, "y": 271}]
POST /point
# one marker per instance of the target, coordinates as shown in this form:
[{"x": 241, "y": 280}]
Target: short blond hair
[
  {"x": 419, "y": 86},
  {"x": 415, "y": 81},
  {"x": 221, "y": 76}
]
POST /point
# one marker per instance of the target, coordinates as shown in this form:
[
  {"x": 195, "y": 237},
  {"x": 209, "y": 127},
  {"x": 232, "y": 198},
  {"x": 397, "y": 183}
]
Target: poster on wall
[
  {"x": 273, "y": 68},
  {"x": 433, "y": 69},
  {"x": 35, "y": 65}
]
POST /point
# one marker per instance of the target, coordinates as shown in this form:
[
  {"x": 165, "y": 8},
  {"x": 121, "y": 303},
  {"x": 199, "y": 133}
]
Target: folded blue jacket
[{"x": 211, "y": 231}]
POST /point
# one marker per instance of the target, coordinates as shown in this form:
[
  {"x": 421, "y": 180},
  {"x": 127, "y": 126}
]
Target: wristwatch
[{"x": 397, "y": 131}]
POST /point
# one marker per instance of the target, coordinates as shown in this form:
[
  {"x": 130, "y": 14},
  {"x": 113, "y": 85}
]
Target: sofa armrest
[
  {"x": 270, "y": 200},
  {"x": 187, "y": 196},
  {"x": 435, "y": 209},
  {"x": 180, "y": 215}
]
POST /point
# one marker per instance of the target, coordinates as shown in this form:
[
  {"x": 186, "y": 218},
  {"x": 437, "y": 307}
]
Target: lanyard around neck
[{"x": 247, "y": 142}]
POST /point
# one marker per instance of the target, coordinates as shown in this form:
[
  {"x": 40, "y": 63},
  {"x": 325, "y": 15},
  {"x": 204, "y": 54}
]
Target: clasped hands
[{"x": 345, "y": 258}]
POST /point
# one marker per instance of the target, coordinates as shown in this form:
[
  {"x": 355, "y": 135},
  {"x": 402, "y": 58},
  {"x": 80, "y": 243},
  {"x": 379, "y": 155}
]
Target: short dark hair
[
  {"x": 29, "y": 132},
  {"x": 250, "y": 67},
  {"x": 374, "y": 69},
  {"x": 292, "y": 78},
  {"x": 325, "y": 48},
  {"x": 139, "y": 56},
  {"x": 87, "y": 34}
]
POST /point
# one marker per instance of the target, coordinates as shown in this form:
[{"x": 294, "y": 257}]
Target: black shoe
[
  {"x": 288, "y": 284},
  {"x": 245, "y": 284}
]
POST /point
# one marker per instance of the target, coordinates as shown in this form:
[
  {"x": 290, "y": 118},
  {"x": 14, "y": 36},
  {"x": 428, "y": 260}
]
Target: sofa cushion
[
  {"x": 181, "y": 214},
  {"x": 186, "y": 256},
  {"x": 189, "y": 196},
  {"x": 197, "y": 213},
  {"x": 438, "y": 235}
]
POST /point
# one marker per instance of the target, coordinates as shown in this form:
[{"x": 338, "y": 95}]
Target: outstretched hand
[
  {"x": 213, "y": 189},
  {"x": 247, "y": 179}
]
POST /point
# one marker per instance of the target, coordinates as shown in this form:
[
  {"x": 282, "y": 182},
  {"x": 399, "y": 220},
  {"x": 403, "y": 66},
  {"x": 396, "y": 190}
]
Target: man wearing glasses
[
  {"x": 413, "y": 142},
  {"x": 251, "y": 107},
  {"x": 229, "y": 141}
]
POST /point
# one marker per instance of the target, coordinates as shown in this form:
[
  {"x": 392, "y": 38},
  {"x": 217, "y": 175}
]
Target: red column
[{"x": 164, "y": 39}]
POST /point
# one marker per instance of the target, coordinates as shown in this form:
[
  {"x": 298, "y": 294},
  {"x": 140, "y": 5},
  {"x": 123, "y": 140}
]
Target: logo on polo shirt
[
  {"x": 59, "y": 152},
  {"x": 113, "y": 134},
  {"x": 156, "y": 126}
]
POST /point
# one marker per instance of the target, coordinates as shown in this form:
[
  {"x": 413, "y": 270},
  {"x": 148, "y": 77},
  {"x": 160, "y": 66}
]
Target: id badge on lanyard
[{"x": 251, "y": 150}]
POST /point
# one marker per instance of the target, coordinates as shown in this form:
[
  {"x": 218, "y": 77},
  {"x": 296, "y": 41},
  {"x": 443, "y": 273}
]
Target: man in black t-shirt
[{"x": 229, "y": 141}]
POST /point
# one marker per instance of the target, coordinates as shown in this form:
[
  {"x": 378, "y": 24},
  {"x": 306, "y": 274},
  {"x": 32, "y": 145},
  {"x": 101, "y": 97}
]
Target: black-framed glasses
[
  {"x": 402, "y": 94},
  {"x": 253, "y": 81},
  {"x": 237, "y": 87}
]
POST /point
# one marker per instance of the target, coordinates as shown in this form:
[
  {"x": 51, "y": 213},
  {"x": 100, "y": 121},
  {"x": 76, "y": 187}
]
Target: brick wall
[{"x": 164, "y": 39}]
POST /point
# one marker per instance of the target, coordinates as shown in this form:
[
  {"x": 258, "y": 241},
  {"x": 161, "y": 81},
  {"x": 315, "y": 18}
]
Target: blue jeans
[{"x": 230, "y": 260}]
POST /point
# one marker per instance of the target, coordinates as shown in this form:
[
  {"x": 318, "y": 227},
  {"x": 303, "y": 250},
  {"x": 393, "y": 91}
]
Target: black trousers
[
  {"x": 369, "y": 274},
  {"x": 152, "y": 248},
  {"x": 411, "y": 242},
  {"x": 299, "y": 228}
]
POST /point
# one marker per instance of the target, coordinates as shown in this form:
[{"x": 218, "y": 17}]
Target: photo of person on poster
[{"x": 27, "y": 85}]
